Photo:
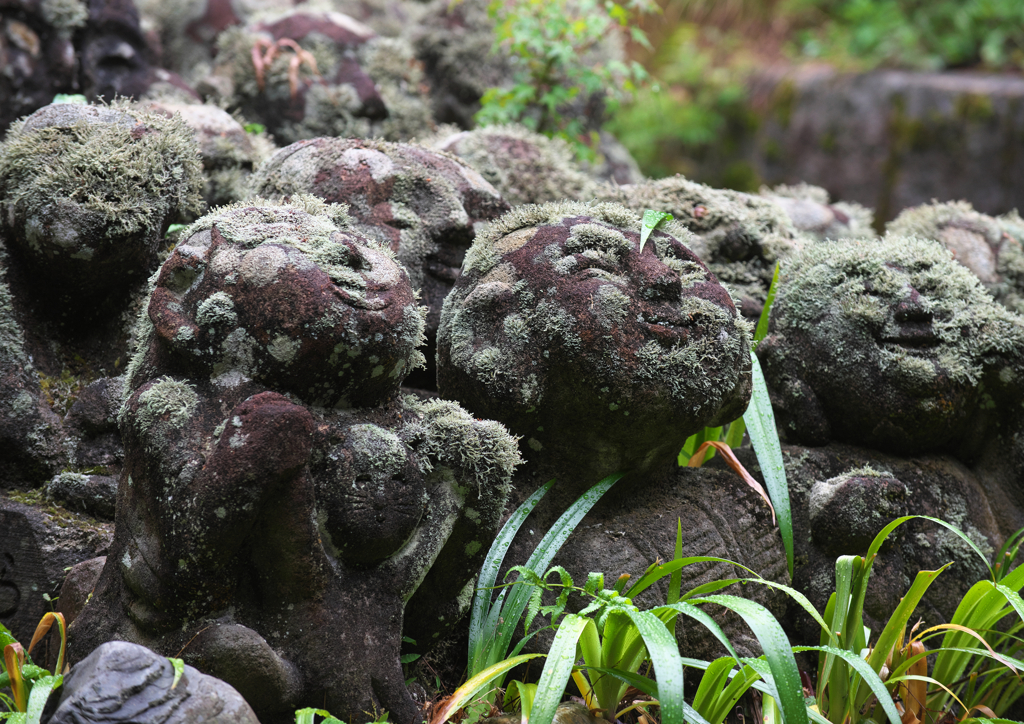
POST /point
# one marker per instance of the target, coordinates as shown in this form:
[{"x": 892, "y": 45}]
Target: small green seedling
[
  {"x": 70, "y": 98},
  {"x": 650, "y": 222}
]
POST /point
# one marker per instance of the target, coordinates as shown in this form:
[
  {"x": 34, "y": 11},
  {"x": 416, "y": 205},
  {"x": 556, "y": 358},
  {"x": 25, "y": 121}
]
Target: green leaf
[
  {"x": 481, "y": 608},
  {"x": 38, "y": 697},
  {"x": 760, "y": 421},
  {"x": 867, "y": 674},
  {"x": 75, "y": 98},
  {"x": 255, "y": 128},
  {"x": 650, "y": 223},
  {"x": 179, "y": 669},
  {"x": 408, "y": 658},
  {"x": 557, "y": 669},
  {"x": 663, "y": 650},
  {"x": 474, "y": 685},
  {"x": 762, "y": 323},
  {"x": 308, "y": 716},
  {"x": 777, "y": 651}
]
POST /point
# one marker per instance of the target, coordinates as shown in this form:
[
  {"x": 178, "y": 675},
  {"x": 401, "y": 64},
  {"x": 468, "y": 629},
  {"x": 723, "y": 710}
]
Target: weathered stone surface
[
  {"x": 280, "y": 505},
  {"x": 425, "y": 205},
  {"x": 988, "y": 246},
  {"x": 229, "y": 153},
  {"x": 891, "y": 344},
  {"x": 815, "y": 215},
  {"x": 125, "y": 682},
  {"x": 739, "y": 236},
  {"x": 590, "y": 349},
  {"x": 526, "y": 167},
  {"x": 84, "y": 214},
  {"x": 37, "y": 542},
  {"x": 894, "y": 139},
  {"x": 843, "y": 495},
  {"x": 348, "y": 81}
]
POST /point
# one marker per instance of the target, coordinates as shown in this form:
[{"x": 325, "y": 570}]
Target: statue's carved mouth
[
  {"x": 669, "y": 328},
  {"x": 913, "y": 335}
]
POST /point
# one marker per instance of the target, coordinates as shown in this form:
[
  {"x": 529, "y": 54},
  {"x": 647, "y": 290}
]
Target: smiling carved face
[
  {"x": 288, "y": 297},
  {"x": 559, "y": 322},
  {"x": 893, "y": 338}
]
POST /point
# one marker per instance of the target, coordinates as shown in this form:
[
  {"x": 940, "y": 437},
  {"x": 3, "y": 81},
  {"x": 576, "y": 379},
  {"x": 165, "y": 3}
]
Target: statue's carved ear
[
  {"x": 798, "y": 412},
  {"x": 167, "y": 308}
]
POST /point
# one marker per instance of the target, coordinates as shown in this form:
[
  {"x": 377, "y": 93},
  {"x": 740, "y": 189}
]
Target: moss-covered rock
[
  {"x": 229, "y": 153},
  {"x": 591, "y": 350},
  {"x": 291, "y": 295},
  {"x": 327, "y": 75},
  {"x": 740, "y": 236},
  {"x": 891, "y": 344},
  {"x": 280, "y": 505},
  {"x": 87, "y": 192},
  {"x": 990, "y": 247},
  {"x": 526, "y": 167},
  {"x": 425, "y": 205},
  {"x": 811, "y": 212}
]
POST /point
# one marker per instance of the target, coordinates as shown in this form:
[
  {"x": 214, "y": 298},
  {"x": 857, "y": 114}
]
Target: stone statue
[{"x": 281, "y": 506}]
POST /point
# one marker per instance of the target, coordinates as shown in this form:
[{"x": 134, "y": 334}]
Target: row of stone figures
[{"x": 285, "y": 511}]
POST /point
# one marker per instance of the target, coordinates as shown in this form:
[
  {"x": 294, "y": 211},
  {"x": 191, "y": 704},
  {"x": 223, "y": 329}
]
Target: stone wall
[{"x": 892, "y": 139}]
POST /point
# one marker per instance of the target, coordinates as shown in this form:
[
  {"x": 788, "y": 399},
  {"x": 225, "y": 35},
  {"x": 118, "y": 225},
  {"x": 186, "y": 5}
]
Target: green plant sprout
[
  {"x": 554, "y": 48},
  {"x": 30, "y": 685},
  {"x": 650, "y": 222}
]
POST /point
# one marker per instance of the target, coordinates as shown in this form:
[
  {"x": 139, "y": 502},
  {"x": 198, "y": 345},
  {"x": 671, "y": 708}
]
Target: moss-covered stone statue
[
  {"x": 526, "y": 167},
  {"x": 86, "y": 194},
  {"x": 741, "y": 236},
  {"x": 988, "y": 246},
  {"x": 815, "y": 215},
  {"x": 311, "y": 73},
  {"x": 282, "y": 511},
  {"x": 425, "y": 205},
  {"x": 605, "y": 358},
  {"x": 899, "y": 379}
]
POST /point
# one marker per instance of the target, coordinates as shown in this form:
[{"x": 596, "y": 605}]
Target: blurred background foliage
[{"x": 693, "y": 116}]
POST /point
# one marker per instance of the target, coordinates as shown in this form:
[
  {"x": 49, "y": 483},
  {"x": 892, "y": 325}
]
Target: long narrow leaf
[
  {"x": 557, "y": 668},
  {"x": 668, "y": 668},
  {"x": 868, "y": 675},
  {"x": 473, "y": 686},
  {"x": 777, "y": 651},
  {"x": 41, "y": 691},
  {"x": 760, "y": 422},
  {"x": 481, "y": 606}
]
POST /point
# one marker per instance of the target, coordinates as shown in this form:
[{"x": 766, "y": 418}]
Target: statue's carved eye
[
  {"x": 363, "y": 478},
  {"x": 399, "y": 478}
]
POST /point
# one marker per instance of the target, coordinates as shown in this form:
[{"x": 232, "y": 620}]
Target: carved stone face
[
  {"x": 285, "y": 296},
  {"x": 424, "y": 205},
  {"x": 371, "y": 495},
  {"x": 560, "y": 325},
  {"x": 892, "y": 338}
]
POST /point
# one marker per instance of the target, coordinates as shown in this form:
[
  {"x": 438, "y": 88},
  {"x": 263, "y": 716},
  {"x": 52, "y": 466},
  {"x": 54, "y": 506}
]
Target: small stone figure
[
  {"x": 526, "y": 167},
  {"x": 605, "y": 358},
  {"x": 280, "y": 505},
  {"x": 900, "y": 379},
  {"x": 740, "y": 236},
  {"x": 988, "y": 246},
  {"x": 814, "y": 215},
  {"x": 308, "y": 73},
  {"x": 86, "y": 194},
  {"x": 425, "y": 205}
]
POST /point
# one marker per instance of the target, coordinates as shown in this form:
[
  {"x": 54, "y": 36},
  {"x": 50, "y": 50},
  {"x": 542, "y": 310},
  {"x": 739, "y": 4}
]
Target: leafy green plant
[
  {"x": 554, "y": 46},
  {"x": 30, "y": 685}
]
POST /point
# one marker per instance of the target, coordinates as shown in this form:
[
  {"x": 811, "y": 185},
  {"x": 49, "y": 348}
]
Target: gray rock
[{"x": 125, "y": 682}]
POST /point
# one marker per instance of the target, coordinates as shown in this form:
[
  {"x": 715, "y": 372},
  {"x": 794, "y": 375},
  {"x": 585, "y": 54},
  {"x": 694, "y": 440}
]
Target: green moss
[
  {"x": 835, "y": 284},
  {"x": 64, "y": 15},
  {"x": 374, "y": 448},
  {"x": 974, "y": 107},
  {"x": 481, "y": 451},
  {"x": 12, "y": 339},
  {"x": 217, "y": 309},
  {"x": 168, "y": 398},
  {"x": 96, "y": 159}
]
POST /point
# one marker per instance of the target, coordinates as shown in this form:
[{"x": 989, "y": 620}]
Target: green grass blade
[
  {"x": 867, "y": 674},
  {"x": 663, "y": 650},
  {"x": 734, "y": 438},
  {"x": 656, "y": 573},
  {"x": 544, "y": 553},
  {"x": 481, "y": 606},
  {"x": 557, "y": 669},
  {"x": 650, "y": 222},
  {"x": 40, "y": 693},
  {"x": 712, "y": 687},
  {"x": 474, "y": 685},
  {"x": 760, "y": 422},
  {"x": 899, "y": 618},
  {"x": 762, "y": 323},
  {"x": 777, "y": 651},
  {"x": 704, "y": 618},
  {"x": 675, "y": 581}
]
